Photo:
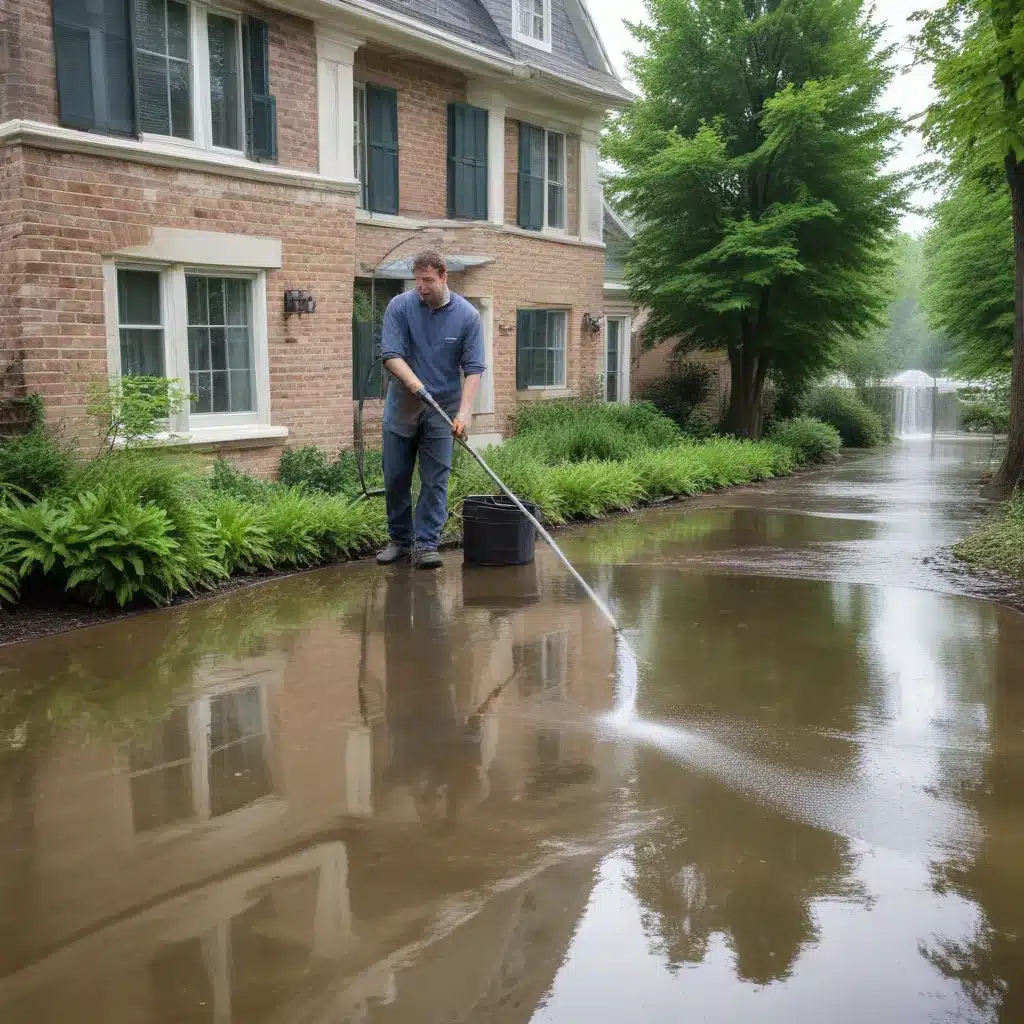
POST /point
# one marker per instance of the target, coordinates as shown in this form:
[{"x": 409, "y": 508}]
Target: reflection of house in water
[{"x": 309, "y": 832}]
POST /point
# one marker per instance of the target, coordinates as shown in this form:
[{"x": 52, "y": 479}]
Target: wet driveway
[{"x": 383, "y": 797}]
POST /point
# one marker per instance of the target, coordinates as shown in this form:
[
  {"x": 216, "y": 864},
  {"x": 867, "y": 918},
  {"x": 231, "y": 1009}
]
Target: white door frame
[
  {"x": 483, "y": 404},
  {"x": 625, "y": 336}
]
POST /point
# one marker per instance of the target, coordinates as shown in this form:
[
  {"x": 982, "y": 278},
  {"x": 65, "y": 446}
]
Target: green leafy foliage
[
  {"x": 970, "y": 283},
  {"x": 35, "y": 463},
  {"x": 133, "y": 411},
  {"x": 998, "y": 543},
  {"x": 858, "y": 426},
  {"x": 679, "y": 392},
  {"x": 572, "y": 431},
  {"x": 10, "y": 579},
  {"x": 588, "y": 489},
  {"x": 984, "y": 417},
  {"x": 225, "y": 479},
  {"x": 753, "y": 163},
  {"x": 811, "y": 440},
  {"x": 240, "y": 541},
  {"x": 312, "y": 468}
]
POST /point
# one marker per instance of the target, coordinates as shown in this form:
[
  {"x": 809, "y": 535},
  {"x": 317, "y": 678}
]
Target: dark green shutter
[
  {"x": 365, "y": 350},
  {"x": 260, "y": 106},
  {"x": 467, "y": 162},
  {"x": 526, "y": 320},
  {"x": 382, "y": 146},
  {"x": 92, "y": 41},
  {"x": 531, "y": 176}
]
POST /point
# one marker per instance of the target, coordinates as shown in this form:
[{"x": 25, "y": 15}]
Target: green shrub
[
  {"x": 812, "y": 441},
  {"x": 10, "y": 580},
  {"x": 984, "y": 417},
  {"x": 226, "y": 480},
  {"x": 240, "y": 541},
  {"x": 999, "y": 542},
  {"x": 312, "y": 468},
  {"x": 594, "y": 426},
  {"x": 586, "y": 490},
  {"x": 679, "y": 392},
  {"x": 859, "y": 426},
  {"x": 34, "y": 463},
  {"x": 517, "y": 464},
  {"x": 132, "y": 410}
]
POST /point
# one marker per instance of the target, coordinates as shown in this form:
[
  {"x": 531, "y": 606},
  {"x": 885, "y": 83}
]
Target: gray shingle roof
[
  {"x": 465, "y": 18},
  {"x": 567, "y": 57},
  {"x": 488, "y": 23}
]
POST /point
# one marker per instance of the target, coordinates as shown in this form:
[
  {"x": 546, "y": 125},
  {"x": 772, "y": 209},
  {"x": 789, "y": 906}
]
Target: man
[{"x": 431, "y": 338}]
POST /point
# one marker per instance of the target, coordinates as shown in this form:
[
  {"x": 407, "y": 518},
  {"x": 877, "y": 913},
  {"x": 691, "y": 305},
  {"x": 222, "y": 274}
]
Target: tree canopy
[
  {"x": 753, "y": 166},
  {"x": 970, "y": 277}
]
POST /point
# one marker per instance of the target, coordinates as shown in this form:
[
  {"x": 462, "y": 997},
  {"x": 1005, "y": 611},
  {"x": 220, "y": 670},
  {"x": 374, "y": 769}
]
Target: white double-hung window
[
  {"x": 190, "y": 74},
  {"x": 531, "y": 22},
  {"x": 205, "y": 328}
]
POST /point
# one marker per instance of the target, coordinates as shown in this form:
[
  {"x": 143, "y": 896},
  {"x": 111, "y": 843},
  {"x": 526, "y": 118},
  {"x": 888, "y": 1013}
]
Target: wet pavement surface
[{"x": 374, "y": 796}]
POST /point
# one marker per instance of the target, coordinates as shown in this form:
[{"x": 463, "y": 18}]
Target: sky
[{"x": 909, "y": 92}]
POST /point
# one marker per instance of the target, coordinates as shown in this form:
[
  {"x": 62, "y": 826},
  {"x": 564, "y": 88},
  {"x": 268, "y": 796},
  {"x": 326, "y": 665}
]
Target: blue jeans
[{"x": 432, "y": 442}]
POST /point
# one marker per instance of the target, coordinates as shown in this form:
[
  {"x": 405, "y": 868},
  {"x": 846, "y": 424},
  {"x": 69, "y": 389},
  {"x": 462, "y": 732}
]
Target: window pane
[
  {"x": 177, "y": 30},
  {"x": 138, "y": 297},
  {"x": 199, "y": 348},
  {"x": 239, "y": 775},
  {"x": 239, "y": 349},
  {"x": 162, "y": 797},
  {"x": 236, "y": 295},
  {"x": 150, "y": 25},
  {"x": 195, "y": 290},
  {"x": 181, "y": 103},
  {"x": 240, "y": 389},
  {"x": 201, "y": 385},
  {"x": 215, "y": 293},
  {"x": 142, "y": 352},
  {"x": 221, "y": 400},
  {"x": 556, "y": 164},
  {"x": 218, "y": 348},
  {"x": 168, "y": 742},
  {"x": 556, "y": 206},
  {"x": 224, "y": 81},
  {"x": 154, "y": 103},
  {"x": 235, "y": 716}
]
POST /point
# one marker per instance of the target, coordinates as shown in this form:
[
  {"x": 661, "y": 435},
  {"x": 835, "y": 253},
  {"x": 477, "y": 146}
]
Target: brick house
[{"x": 172, "y": 170}]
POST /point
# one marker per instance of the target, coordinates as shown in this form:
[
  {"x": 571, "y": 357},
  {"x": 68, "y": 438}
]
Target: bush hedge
[
  {"x": 859, "y": 426},
  {"x": 811, "y": 441},
  {"x": 145, "y": 526},
  {"x": 998, "y": 543}
]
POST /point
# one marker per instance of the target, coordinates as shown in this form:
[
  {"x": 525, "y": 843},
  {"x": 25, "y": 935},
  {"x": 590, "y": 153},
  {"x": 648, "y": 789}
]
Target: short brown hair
[{"x": 430, "y": 259}]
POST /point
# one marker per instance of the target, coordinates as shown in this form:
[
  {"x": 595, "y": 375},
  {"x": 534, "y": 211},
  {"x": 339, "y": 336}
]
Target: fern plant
[{"x": 239, "y": 540}]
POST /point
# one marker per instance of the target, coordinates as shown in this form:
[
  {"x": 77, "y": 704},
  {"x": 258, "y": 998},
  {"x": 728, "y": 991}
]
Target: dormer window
[{"x": 532, "y": 22}]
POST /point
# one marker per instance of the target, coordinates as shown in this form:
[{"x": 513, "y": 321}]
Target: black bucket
[{"x": 495, "y": 532}]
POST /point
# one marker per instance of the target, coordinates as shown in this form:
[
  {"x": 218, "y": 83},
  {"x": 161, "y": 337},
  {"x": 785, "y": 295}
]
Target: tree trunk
[
  {"x": 1011, "y": 473},
  {"x": 747, "y": 374}
]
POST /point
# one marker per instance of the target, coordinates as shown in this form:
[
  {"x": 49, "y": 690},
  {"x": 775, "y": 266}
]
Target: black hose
[{"x": 360, "y": 445}]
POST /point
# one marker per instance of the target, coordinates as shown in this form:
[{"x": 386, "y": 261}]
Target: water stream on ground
[{"x": 791, "y": 790}]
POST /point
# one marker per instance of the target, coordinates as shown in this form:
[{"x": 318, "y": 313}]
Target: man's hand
[{"x": 460, "y": 425}]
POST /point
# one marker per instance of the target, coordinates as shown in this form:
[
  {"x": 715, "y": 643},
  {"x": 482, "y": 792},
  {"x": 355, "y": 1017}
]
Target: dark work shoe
[
  {"x": 392, "y": 553},
  {"x": 427, "y": 559}
]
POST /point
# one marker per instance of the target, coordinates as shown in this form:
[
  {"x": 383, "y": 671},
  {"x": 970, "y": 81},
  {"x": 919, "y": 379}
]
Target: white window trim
[
  {"x": 359, "y": 91},
  {"x": 625, "y": 355},
  {"x": 198, "y": 760},
  {"x": 188, "y": 427},
  {"x": 521, "y": 37},
  {"x": 564, "y": 384},
  {"x": 199, "y": 85}
]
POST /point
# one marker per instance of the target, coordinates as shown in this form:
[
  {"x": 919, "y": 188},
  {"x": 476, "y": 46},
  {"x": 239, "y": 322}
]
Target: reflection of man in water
[{"x": 432, "y": 751}]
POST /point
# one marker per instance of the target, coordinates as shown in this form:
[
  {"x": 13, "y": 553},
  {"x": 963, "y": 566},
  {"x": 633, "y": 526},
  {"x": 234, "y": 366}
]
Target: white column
[
  {"x": 335, "y": 116},
  {"x": 591, "y": 200},
  {"x": 484, "y": 403},
  {"x": 494, "y": 103}
]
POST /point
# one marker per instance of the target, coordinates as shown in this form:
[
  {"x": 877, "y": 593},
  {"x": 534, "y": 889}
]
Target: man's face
[{"x": 430, "y": 285}]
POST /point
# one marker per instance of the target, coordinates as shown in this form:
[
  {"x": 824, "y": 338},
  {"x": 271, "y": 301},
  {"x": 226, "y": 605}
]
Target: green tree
[
  {"x": 970, "y": 276},
  {"x": 977, "y": 123},
  {"x": 752, "y": 165}
]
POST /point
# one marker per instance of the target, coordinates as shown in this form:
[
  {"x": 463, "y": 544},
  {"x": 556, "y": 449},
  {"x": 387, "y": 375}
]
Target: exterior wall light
[
  {"x": 300, "y": 302},
  {"x": 591, "y": 323}
]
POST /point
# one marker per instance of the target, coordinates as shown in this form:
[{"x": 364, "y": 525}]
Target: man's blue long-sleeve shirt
[{"x": 438, "y": 344}]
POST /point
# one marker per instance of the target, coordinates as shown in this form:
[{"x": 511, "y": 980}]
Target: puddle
[{"x": 794, "y": 790}]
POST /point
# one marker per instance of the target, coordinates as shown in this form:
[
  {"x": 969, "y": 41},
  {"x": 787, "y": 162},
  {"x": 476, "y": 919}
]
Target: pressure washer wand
[{"x": 424, "y": 396}]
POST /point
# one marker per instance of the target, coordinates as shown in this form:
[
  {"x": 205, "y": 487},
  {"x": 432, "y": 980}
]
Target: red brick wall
[
  {"x": 31, "y": 86},
  {"x": 76, "y": 208},
  {"x": 424, "y": 92}
]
